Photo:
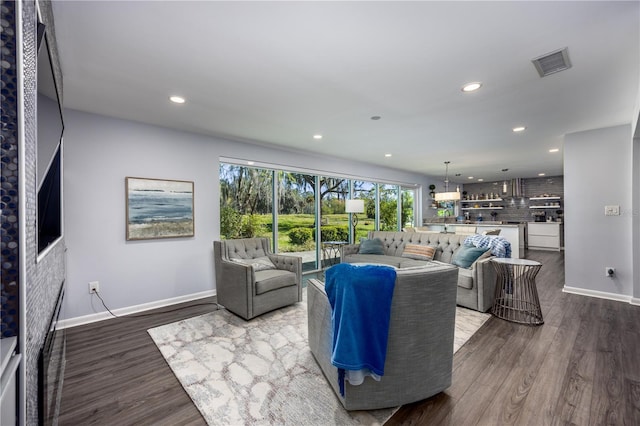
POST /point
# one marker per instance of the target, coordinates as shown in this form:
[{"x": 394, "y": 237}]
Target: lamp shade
[
  {"x": 354, "y": 206},
  {"x": 447, "y": 196}
]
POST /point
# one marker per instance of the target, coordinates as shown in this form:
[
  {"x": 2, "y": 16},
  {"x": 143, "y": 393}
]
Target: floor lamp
[{"x": 353, "y": 207}]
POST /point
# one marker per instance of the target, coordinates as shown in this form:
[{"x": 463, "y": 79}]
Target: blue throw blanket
[
  {"x": 360, "y": 298},
  {"x": 499, "y": 246}
]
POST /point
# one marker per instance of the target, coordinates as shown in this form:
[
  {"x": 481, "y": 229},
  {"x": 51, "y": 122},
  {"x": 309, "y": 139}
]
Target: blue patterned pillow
[{"x": 374, "y": 246}]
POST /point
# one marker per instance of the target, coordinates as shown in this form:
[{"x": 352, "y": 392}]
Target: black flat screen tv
[{"x": 49, "y": 169}]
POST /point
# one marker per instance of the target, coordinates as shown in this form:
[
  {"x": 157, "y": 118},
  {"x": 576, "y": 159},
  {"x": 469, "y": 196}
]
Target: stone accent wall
[
  {"x": 517, "y": 210},
  {"x": 42, "y": 278},
  {"x": 9, "y": 200}
]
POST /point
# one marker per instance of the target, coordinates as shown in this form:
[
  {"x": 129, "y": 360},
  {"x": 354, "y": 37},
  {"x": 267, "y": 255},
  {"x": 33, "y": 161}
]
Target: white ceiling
[{"x": 279, "y": 72}]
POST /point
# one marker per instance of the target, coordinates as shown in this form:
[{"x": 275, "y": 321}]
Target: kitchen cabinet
[{"x": 544, "y": 235}]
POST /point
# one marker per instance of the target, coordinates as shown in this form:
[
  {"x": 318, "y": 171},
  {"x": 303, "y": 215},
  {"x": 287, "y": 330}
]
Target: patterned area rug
[{"x": 261, "y": 372}]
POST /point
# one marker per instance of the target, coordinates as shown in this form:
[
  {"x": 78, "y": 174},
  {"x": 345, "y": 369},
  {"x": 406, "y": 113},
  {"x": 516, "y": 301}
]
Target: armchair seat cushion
[{"x": 273, "y": 279}]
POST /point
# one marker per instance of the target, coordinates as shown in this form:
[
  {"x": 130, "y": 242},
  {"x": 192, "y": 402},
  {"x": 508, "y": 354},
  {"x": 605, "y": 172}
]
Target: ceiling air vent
[{"x": 552, "y": 62}]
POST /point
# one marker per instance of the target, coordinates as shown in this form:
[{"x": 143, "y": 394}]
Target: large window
[
  {"x": 310, "y": 218},
  {"x": 246, "y": 202}
]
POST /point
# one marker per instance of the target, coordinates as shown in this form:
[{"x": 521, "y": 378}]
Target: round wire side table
[{"x": 516, "y": 296}]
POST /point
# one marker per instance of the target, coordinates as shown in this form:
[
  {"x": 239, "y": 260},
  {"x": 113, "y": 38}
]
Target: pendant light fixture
[
  {"x": 504, "y": 184},
  {"x": 446, "y": 195}
]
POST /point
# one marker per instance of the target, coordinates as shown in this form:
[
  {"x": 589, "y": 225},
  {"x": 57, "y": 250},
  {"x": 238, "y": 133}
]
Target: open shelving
[{"x": 483, "y": 201}]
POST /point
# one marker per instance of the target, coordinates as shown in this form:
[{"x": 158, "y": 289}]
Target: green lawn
[{"x": 286, "y": 222}]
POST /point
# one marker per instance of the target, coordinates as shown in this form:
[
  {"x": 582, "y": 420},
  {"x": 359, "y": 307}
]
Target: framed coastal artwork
[{"x": 158, "y": 208}]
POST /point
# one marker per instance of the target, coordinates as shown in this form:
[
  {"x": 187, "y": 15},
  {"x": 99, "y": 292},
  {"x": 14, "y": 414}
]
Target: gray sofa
[
  {"x": 475, "y": 285},
  {"x": 248, "y": 292},
  {"x": 420, "y": 343}
]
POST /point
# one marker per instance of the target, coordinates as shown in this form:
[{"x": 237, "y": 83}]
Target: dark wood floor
[{"x": 581, "y": 367}]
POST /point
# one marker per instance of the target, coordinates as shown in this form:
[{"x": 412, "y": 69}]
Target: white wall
[
  {"x": 100, "y": 152},
  {"x": 598, "y": 168}
]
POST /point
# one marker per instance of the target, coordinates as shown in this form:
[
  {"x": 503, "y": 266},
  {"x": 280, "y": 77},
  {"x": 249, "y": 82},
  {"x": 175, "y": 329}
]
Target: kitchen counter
[
  {"x": 512, "y": 232},
  {"x": 545, "y": 235},
  {"x": 472, "y": 222}
]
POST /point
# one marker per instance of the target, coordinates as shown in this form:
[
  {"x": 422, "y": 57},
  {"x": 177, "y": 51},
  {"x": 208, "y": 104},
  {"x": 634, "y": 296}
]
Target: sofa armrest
[
  {"x": 485, "y": 279},
  {"x": 287, "y": 262},
  {"x": 349, "y": 249},
  {"x": 234, "y": 289}
]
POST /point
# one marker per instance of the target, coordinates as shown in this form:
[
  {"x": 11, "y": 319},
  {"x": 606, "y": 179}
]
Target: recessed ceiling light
[
  {"x": 387, "y": 155},
  {"x": 554, "y": 150},
  {"x": 519, "y": 129},
  {"x": 251, "y": 163},
  {"x": 177, "y": 99},
  {"x": 541, "y": 174},
  {"x": 471, "y": 87},
  {"x": 480, "y": 180},
  {"x": 470, "y": 177},
  {"x": 317, "y": 136}
]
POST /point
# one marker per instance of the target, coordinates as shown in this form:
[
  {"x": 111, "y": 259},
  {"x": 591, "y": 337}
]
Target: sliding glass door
[
  {"x": 309, "y": 219},
  {"x": 246, "y": 202},
  {"x": 367, "y": 191},
  {"x": 408, "y": 203},
  {"x": 297, "y": 217},
  {"x": 388, "y": 207}
]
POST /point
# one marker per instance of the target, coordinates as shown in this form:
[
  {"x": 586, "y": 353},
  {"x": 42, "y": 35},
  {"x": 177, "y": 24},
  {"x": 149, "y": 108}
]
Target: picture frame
[{"x": 159, "y": 208}]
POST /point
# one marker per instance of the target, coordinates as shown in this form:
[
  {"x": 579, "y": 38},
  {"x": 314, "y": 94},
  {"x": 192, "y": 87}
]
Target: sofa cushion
[
  {"x": 373, "y": 259},
  {"x": 258, "y": 264},
  {"x": 273, "y": 279},
  {"x": 373, "y": 246},
  {"x": 466, "y": 255},
  {"x": 419, "y": 252},
  {"x": 412, "y": 263}
]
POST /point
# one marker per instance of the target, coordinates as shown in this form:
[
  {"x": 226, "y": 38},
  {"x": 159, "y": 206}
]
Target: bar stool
[{"x": 516, "y": 297}]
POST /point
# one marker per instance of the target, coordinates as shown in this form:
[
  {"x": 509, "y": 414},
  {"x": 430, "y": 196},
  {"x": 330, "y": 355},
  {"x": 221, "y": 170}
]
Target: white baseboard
[
  {"x": 635, "y": 301},
  {"x": 101, "y": 316},
  {"x": 600, "y": 294}
]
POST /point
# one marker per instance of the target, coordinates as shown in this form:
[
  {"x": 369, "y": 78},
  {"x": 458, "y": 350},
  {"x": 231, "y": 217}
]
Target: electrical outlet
[
  {"x": 94, "y": 287},
  {"x": 612, "y": 210},
  {"x": 609, "y": 271}
]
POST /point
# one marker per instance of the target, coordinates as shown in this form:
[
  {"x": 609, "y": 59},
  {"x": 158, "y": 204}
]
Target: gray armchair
[{"x": 272, "y": 282}]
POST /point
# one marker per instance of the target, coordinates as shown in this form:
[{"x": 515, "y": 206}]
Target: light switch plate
[{"x": 612, "y": 210}]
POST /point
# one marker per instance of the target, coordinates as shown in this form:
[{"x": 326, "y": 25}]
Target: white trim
[
  {"x": 600, "y": 294},
  {"x": 101, "y": 316},
  {"x": 635, "y": 301}
]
